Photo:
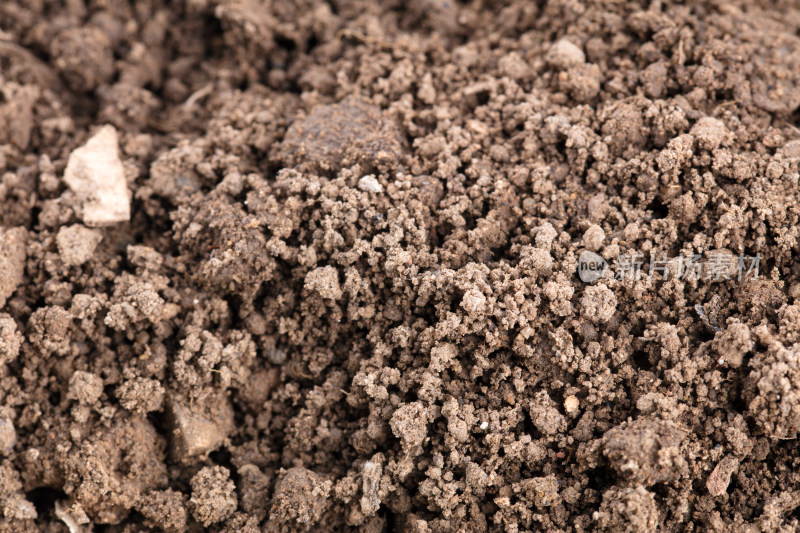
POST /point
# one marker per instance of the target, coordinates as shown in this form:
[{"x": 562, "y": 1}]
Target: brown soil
[{"x": 309, "y": 266}]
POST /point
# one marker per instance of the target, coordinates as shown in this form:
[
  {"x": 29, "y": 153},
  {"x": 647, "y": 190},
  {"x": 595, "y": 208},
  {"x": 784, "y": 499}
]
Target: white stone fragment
[
  {"x": 8, "y": 436},
  {"x": 370, "y": 484},
  {"x": 571, "y": 404},
  {"x": 73, "y": 516},
  {"x": 95, "y": 174},
  {"x": 370, "y": 184}
]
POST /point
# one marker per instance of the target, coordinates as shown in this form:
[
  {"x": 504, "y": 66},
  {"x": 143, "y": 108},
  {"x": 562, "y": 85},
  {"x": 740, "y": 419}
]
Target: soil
[{"x": 310, "y": 266}]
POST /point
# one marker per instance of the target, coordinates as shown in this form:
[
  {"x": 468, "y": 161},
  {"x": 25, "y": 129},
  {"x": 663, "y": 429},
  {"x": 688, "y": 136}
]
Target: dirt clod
[
  {"x": 337, "y": 135},
  {"x": 213, "y": 495},
  {"x": 629, "y": 510},
  {"x": 301, "y": 496},
  {"x": 76, "y": 243}
]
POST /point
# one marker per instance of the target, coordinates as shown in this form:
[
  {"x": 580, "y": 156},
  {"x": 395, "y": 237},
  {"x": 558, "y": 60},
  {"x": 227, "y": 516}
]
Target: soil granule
[{"x": 317, "y": 266}]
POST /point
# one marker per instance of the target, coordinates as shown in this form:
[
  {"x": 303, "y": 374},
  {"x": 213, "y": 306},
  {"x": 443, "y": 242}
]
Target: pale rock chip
[
  {"x": 370, "y": 183},
  {"x": 95, "y": 174},
  {"x": 198, "y": 429}
]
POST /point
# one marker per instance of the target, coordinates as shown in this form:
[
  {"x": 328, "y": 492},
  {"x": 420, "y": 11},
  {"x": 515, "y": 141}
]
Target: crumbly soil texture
[{"x": 314, "y": 265}]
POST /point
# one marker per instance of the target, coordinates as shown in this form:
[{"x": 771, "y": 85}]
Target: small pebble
[
  {"x": 96, "y": 175},
  {"x": 276, "y": 356},
  {"x": 8, "y": 435},
  {"x": 371, "y": 474},
  {"x": 720, "y": 477},
  {"x": 369, "y": 184},
  {"x": 564, "y": 54},
  {"x": 198, "y": 429},
  {"x": 571, "y": 404}
]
